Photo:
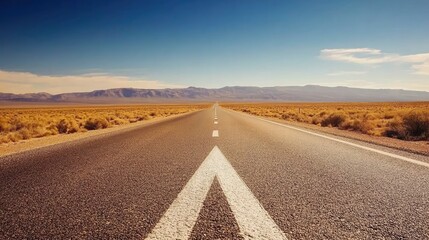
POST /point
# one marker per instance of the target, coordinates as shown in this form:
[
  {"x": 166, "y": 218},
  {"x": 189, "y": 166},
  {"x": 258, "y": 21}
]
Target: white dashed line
[
  {"x": 253, "y": 220},
  {"x": 215, "y": 133},
  {"x": 215, "y": 122}
]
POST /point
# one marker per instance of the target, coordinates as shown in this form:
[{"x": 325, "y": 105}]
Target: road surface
[{"x": 214, "y": 174}]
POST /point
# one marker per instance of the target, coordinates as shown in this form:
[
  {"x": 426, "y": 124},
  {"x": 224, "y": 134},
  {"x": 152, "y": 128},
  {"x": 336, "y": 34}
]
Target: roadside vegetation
[
  {"x": 404, "y": 120},
  {"x": 24, "y": 123}
]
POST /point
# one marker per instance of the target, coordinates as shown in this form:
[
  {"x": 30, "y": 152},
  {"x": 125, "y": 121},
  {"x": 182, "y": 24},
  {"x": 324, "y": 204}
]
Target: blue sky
[{"x": 53, "y": 46}]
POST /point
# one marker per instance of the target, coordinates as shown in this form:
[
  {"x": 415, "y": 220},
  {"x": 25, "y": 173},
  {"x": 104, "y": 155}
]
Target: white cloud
[
  {"x": 26, "y": 82},
  {"x": 368, "y": 56},
  {"x": 346, "y": 73}
]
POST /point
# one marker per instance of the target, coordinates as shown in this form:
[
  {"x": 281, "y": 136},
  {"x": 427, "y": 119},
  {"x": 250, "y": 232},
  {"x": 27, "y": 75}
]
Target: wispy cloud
[
  {"x": 422, "y": 69},
  {"x": 346, "y": 73},
  {"x": 368, "y": 56},
  {"x": 26, "y": 82}
]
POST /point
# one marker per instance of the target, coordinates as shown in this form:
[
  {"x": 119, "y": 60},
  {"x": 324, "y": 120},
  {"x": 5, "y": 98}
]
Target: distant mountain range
[{"x": 309, "y": 93}]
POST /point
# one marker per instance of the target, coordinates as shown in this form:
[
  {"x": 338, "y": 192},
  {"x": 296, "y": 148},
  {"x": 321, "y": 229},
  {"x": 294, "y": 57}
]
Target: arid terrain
[
  {"x": 401, "y": 120},
  {"x": 25, "y": 122}
]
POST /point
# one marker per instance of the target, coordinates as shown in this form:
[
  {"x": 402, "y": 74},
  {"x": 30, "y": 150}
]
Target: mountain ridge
[{"x": 308, "y": 93}]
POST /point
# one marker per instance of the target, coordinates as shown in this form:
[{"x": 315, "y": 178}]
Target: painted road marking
[
  {"x": 179, "y": 219},
  {"x": 410, "y": 160},
  {"x": 215, "y": 122},
  {"x": 215, "y": 133}
]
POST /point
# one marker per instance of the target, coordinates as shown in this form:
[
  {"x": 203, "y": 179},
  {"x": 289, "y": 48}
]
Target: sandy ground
[{"x": 33, "y": 143}]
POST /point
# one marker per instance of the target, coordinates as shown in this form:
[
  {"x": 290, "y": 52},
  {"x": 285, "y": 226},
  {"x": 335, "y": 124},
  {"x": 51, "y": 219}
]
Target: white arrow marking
[{"x": 254, "y": 222}]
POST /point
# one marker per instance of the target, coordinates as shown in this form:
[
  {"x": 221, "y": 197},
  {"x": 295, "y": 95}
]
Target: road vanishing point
[{"x": 214, "y": 174}]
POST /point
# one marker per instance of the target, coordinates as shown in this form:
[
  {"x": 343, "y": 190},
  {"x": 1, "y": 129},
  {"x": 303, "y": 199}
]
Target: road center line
[
  {"x": 179, "y": 219},
  {"x": 215, "y": 122},
  {"x": 215, "y": 133},
  {"x": 410, "y": 160}
]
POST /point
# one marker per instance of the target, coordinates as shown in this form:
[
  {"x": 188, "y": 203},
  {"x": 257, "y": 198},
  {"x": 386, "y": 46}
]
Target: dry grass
[
  {"x": 24, "y": 123},
  {"x": 404, "y": 120}
]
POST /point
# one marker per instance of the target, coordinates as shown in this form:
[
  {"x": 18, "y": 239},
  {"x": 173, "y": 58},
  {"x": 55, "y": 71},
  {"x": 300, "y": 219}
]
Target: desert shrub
[
  {"x": 412, "y": 126},
  {"x": 395, "y": 129},
  {"x": 134, "y": 120},
  {"x": 300, "y": 117},
  {"x": 16, "y": 124},
  {"x": 4, "y": 126},
  {"x": 363, "y": 126},
  {"x": 96, "y": 123},
  {"x": 13, "y": 137},
  {"x": 370, "y": 116},
  {"x": 118, "y": 121},
  {"x": 51, "y": 129},
  {"x": 40, "y": 132},
  {"x": 4, "y": 139},
  {"x": 67, "y": 126},
  {"x": 389, "y": 115},
  {"x": 316, "y": 120},
  {"x": 62, "y": 126},
  {"x": 285, "y": 116},
  {"x": 24, "y": 133},
  {"x": 141, "y": 118},
  {"x": 110, "y": 118},
  {"x": 417, "y": 124},
  {"x": 73, "y": 126},
  {"x": 334, "y": 120}
]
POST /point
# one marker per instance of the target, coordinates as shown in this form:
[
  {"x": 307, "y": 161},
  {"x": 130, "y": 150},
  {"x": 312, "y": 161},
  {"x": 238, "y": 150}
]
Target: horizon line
[{"x": 207, "y": 88}]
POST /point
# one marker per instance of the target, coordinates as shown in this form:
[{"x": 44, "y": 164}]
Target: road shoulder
[{"x": 417, "y": 147}]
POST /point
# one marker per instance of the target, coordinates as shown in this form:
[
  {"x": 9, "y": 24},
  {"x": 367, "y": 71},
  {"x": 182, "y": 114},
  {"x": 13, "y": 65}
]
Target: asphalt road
[{"x": 176, "y": 178}]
